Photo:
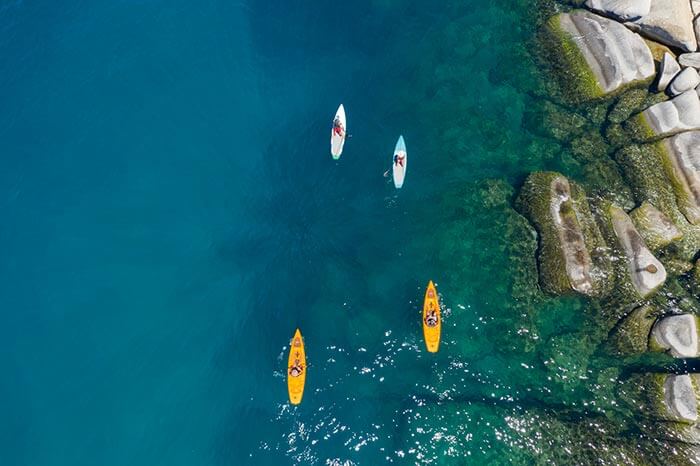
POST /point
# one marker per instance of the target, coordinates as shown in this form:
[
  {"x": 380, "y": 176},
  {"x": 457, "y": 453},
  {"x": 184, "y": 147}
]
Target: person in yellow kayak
[
  {"x": 431, "y": 318},
  {"x": 296, "y": 369}
]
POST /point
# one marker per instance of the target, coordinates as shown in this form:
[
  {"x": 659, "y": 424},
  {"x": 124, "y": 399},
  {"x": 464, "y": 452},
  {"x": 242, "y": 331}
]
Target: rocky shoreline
[{"x": 630, "y": 245}]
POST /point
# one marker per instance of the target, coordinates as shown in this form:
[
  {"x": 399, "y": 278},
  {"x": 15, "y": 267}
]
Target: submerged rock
[
  {"x": 678, "y": 334},
  {"x": 631, "y": 334},
  {"x": 667, "y": 397},
  {"x": 646, "y": 272},
  {"x": 684, "y": 81},
  {"x": 569, "y": 237},
  {"x": 683, "y": 161},
  {"x": 655, "y": 227},
  {"x": 668, "y": 69},
  {"x": 624, "y": 10},
  {"x": 690, "y": 59},
  {"x": 681, "y": 113},
  {"x": 670, "y": 22},
  {"x": 604, "y": 54}
]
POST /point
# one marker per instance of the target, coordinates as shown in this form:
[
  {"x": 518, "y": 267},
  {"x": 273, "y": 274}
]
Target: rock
[
  {"x": 666, "y": 397},
  {"x": 624, "y": 10},
  {"x": 678, "y": 334},
  {"x": 682, "y": 154},
  {"x": 695, "y": 7},
  {"x": 655, "y": 227},
  {"x": 605, "y": 54},
  {"x": 646, "y": 168},
  {"x": 631, "y": 334},
  {"x": 669, "y": 22},
  {"x": 680, "y": 398},
  {"x": 684, "y": 81},
  {"x": 687, "y": 436},
  {"x": 696, "y": 27},
  {"x": 629, "y": 103},
  {"x": 668, "y": 69},
  {"x": 658, "y": 50},
  {"x": 569, "y": 236},
  {"x": 690, "y": 59},
  {"x": 682, "y": 113},
  {"x": 646, "y": 272}
]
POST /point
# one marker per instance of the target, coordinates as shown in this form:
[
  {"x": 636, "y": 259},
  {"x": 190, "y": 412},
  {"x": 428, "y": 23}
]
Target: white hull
[
  {"x": 337, "y": 142},
  {"x": 399, "y": 162}
]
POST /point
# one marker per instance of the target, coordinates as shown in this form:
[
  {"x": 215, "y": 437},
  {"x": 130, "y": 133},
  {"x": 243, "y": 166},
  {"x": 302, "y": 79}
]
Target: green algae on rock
[
  {"x": 682, "y": 164},
  {"x": 598, "y": 56},
  {"x": 665, "y": 397},
  {"x": 645, "y": 169},
  {"x": 571, "y": 253},
  {"x": 646, "y": 271},
  {"x": 631, "y": 335},
  {"x": 655, "y": 227}
]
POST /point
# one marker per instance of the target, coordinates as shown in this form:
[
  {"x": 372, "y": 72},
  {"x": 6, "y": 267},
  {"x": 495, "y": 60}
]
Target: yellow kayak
[
  {"x": 296, "y": 369},
  {"x": 432, "y": 321}
]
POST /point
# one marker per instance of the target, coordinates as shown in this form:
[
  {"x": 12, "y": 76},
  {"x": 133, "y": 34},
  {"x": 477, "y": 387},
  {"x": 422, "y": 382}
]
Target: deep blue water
[{"x": 170, "y": 214}]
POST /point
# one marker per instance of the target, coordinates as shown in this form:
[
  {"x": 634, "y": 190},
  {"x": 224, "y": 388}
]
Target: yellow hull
[
  {"x": 431, "y": 334},
  {"x": 297, "y": 357}
]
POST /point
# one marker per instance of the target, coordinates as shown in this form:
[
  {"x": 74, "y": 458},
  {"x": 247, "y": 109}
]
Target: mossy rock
[
  {"x": 631, "y": 335},
  {"x": 658, "y": 50},
  {"x": 601, "y": 174},
  {"x": 572, "y": 253},
  {"x": 648, "y": 394},
  {"x": 677, "y": 266},
  {"x": 625, "y": 293},
  {"x": 560, "y": 123},
  {"x": 629, "y": 103},
  {"x": 655, "y": 227},
  {"x": 576, "y": 78},
  {"x": 645, "y": 171},
  {"x": 638, "y": 129}
]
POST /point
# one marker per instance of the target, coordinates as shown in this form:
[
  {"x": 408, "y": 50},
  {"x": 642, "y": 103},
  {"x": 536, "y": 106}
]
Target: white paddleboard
[
  {"x": 338, "y": 140},
  {"x": 399, "y": 161}
]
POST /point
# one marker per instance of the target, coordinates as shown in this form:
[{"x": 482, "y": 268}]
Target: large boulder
[
  {"x": 682, "y": 113},
  {"x": 624, "y": 10},
  {"x": 690, "y": 59},
  {"x": 572, "y": 251},
  {"x": 684, "y": 81},
  {"x": 680, "y": 398},
  {"x": 655, "y": 227},
  {"x": 647, "y": 273},
  {"x": 604, "y": 55},
  {"x": 669, "y": 22},
  {"x": 677, "y": 334},
  {"x": 668, "y": 69},
  {"x": 682, "y": 154}
]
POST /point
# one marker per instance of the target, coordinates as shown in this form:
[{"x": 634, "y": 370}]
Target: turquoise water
[{"x": 171, "y": 214}]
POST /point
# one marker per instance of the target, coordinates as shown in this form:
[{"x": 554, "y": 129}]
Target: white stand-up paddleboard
[
  {"x": 338, "y": 140},
  {"x": 399, "y": 161}
]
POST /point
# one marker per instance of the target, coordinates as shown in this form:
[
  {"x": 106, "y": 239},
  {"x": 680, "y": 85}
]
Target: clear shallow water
[{"x": 171, "y": 215}]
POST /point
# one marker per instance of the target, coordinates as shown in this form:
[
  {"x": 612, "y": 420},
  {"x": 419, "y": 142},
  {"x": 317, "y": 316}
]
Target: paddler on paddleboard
[{"x": 338, "y": 127}]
